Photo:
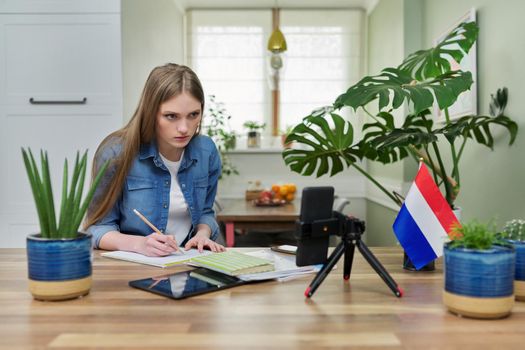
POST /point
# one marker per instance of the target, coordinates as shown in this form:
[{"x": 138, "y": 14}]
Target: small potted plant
[
  {"x": 59, "y": 257},
  {"x": 254, "y": 133},
  {"x": 479, "y": 272},
  {"x": 514, "y": 233}
]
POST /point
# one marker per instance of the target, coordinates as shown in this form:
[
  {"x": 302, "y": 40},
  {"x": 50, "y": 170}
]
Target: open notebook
[{"x": 161, "y": 261}]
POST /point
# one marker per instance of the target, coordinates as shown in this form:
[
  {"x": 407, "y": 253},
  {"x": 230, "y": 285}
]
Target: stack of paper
[
  {"x": 285, "y": 267},
  {"x": 233, "y": 263},
  {"x": 273, "y": 265}
]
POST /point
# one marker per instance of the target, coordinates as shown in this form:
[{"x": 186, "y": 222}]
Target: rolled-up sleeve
[{"x": 108, "y": 223}]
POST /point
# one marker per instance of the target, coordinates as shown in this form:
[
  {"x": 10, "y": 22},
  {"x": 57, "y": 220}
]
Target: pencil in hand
[{"x": 153, "y": 227}]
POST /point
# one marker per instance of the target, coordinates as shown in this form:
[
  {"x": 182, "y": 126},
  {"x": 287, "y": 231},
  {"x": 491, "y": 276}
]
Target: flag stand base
[{"x": 408, "y": 265}]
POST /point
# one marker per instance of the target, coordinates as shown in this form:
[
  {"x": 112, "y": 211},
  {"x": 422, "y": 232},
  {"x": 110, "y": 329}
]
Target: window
[{"x": 227, "y": 49}]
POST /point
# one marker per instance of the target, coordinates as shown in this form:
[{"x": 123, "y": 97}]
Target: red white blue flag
[{"x": 424, "y": 221}]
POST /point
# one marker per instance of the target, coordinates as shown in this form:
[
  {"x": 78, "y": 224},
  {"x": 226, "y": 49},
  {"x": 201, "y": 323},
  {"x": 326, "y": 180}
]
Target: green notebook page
[{"x": 234, "y": 263}]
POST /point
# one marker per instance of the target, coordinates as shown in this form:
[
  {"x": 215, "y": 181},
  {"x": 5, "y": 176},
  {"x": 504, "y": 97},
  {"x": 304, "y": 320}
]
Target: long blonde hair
[{"x": 163, "y": 83}]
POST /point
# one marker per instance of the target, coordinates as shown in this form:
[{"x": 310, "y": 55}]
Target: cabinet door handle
[{"x": 34, "y": 101}]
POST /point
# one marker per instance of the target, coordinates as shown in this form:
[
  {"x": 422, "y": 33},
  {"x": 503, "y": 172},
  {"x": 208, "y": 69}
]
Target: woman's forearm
[
  {"x": 203, "y": 229},
  {"x": 114, "y": 240}
]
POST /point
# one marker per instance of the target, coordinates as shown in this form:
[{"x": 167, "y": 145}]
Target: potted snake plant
[
  {"x": 479, "y": 272},
  {"x": 514, "y": 233},
  {"x": 59, "y": 256}
]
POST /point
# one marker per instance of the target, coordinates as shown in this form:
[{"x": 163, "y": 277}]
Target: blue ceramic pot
[
  {"x": 479, "y": 283},
  {"x": 59, "y": 269},
  {"x": 519, "y": 276}
]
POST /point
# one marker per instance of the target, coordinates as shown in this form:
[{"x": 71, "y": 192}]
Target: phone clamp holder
[{"x": 350, "y": 229}]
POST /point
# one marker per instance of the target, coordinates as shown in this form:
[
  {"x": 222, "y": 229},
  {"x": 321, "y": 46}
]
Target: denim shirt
[{"x": 147, "y": 189}]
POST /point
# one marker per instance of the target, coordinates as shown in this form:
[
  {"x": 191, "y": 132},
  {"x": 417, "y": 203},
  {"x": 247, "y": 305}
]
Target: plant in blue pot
[
  {"x": 514, "y": 233},
  {"x": 479, "y": 272},
  {"x": 59, "y": 257}
]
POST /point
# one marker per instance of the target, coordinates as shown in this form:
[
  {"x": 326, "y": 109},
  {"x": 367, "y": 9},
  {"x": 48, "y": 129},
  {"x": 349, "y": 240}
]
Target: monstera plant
[{"x": 324, "y": 142}]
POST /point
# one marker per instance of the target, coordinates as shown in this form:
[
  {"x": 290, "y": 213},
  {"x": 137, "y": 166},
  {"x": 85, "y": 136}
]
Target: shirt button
[
  {"x": 183, "y": 185},
  {"x": 165, "y": 206},
  {"x": 162, "y": 231},
  {"x": 166, "y": 182}
]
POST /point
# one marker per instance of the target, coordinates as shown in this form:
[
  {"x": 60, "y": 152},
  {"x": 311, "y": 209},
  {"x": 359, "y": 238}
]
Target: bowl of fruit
[{"x": 276, "y": 196}]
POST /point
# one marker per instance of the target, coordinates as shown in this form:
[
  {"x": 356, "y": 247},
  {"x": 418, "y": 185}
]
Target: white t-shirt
[{"x": 179, "y": 220}]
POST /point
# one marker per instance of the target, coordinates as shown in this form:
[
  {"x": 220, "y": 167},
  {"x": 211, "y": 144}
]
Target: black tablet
[{"x": 187, "y": 283}]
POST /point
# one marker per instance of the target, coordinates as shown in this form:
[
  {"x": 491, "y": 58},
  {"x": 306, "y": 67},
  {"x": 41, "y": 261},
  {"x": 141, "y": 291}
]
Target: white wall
[{"x": 152, "y": 35}]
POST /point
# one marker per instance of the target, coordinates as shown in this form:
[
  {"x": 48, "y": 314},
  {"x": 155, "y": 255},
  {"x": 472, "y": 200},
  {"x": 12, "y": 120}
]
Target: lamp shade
[{"x": 277, "y": 43}]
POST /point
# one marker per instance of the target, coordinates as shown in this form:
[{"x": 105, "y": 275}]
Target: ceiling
[{"x": 366, "y": 5}]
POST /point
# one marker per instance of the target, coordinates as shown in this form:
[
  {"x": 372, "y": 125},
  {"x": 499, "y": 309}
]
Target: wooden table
[
  {"x": 268, "y": 315},
  {"x": 242, "y": 214}
]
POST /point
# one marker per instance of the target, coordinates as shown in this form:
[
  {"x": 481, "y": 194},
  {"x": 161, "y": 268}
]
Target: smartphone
[
  {"x": 287, "y": 249},
  {"x": 316, "y": 206}
]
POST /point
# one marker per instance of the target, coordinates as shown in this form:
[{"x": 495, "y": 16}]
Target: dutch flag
[{"x": 424, "y": 221}]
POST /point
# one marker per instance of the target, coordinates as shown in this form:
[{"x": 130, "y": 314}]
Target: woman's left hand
[{"x": 201, "y": 240}]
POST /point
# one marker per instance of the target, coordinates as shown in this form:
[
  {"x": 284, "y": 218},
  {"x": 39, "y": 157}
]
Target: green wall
[
  {"x": 379, "y": 220},
  {"x": 385, "y": 49},
  {"x": 491, "y": 181}
]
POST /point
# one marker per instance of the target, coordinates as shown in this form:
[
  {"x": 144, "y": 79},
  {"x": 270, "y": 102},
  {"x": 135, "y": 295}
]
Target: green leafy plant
[
  {"x": 72, "y": 207},
  {"x": 475, "y": 235},
  {"x": 219, "y": 130},
  {"x": 325, "y": 141},
  {"x": 514, "y": 230},
  {"x": 254, "y": 126}
]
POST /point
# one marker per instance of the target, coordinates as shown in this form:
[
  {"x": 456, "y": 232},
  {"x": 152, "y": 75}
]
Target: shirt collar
[{"x": 150, "y": 150}]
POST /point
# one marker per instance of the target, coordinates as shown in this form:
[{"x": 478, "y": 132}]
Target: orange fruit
[
  {"x": 290, "y": 197},
  {"x": 292, "y": 188},
  {"x": 283, "y": 190},
  {"x": 275, "y": 188}
]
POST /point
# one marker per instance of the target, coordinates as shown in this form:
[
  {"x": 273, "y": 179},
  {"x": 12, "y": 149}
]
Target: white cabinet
[
  {"x": 60, "y": 59},
  {"x": 60, "y": 90}
]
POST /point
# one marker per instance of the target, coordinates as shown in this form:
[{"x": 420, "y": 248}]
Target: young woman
[{"x": 162, "y": 167}]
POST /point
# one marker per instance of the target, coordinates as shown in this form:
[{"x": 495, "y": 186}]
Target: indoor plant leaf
[
  {"x": 393, "y": 87},
  {"x": 478, "y": 128},
  {"x": 328, "y": 146},
  {"x": 433, "y": 62}
]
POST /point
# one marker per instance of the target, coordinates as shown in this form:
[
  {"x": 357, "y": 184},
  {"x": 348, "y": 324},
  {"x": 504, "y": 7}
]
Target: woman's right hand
[{"x": 158, "y": 245}]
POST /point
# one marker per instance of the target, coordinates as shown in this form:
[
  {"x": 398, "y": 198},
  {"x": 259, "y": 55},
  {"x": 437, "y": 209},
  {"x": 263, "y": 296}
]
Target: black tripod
[{"x": 351, "y": 231}]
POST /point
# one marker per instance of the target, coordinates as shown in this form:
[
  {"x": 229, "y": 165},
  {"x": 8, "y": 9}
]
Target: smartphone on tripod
[{"x": 316, "y": 205}]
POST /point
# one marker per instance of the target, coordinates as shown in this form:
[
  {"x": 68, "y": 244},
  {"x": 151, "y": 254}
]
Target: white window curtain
[
  {"x": 323, "y": 59},
  {"x": 227, "y": 49}
]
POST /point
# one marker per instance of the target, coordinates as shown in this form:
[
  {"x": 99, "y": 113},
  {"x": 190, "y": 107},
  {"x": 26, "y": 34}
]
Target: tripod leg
[
  {"x": 349, "y": 258},
  {"x": 325, "y": 270},
  {"x": 381, "y": 271}
]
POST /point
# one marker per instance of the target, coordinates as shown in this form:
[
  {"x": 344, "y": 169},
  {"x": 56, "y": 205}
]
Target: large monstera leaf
[
  {"x": 328, "y": 146},
  {"x": 387, "y": 144},
  {"x": 431, "y": 63},
  {"x": 478, "y": 128},
  {"x": 394, "y": 86}
]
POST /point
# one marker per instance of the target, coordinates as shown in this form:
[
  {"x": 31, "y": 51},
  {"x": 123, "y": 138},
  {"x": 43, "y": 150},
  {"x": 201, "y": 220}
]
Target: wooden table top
[
  {"x": 268, "y": 315},
  {"x": 239, "y": 210}
]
